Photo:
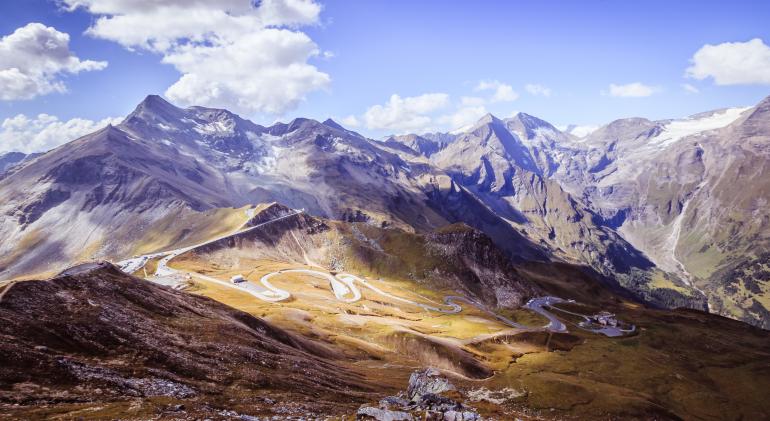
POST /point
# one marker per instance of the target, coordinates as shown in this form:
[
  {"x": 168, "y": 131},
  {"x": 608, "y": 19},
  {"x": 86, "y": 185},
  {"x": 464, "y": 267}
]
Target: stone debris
[
  {"x": 427, "y": 381},
  {"x": 422, "y": 401},
  {"x": 497, "y": 397}
]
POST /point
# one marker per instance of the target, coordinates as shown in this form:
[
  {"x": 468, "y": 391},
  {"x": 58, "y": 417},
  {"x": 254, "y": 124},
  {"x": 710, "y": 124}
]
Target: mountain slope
[
  {"x": 690, "y": 194},
  {"x": 95, "y": 337},
  {"x": 73, "y": 202},
  {"x": 456, "y": 257},
  {"x": 506, "y": 164},
  {"x": 649, "y": 205}
]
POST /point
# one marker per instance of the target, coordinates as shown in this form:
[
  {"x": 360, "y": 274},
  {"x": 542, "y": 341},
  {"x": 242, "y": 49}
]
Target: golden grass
[
  {"x": 174, "y": 230},
  {"x": 677, "y": 361},
  {"x": 659, "y": 281}
]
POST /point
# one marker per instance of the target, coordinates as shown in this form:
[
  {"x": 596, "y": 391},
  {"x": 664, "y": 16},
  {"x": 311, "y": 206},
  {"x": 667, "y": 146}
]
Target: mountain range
[
  {"x": 188, "y": 263},
  {"x": 673, "y": 211}
]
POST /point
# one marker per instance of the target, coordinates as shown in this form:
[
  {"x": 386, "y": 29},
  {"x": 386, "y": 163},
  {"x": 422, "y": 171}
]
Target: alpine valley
[{"x": 188, "y": 263}]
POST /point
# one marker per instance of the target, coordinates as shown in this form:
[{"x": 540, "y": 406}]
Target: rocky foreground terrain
[{"x": 96, "y": 342}]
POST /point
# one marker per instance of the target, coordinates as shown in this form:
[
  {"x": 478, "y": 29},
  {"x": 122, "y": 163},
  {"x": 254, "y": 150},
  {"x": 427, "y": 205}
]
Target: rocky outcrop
[
  {"x": 476, "y": 264},
  {"x": 423, "y": 401}
]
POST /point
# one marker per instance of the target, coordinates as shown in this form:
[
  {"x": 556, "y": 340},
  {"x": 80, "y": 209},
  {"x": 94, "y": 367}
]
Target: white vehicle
[{"x": 237, "y": 279}]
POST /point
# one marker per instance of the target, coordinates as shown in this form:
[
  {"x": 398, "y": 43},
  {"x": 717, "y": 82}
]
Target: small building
[
  {"x": 237, "y": 279},
  {"x": 606, "y": 318}
]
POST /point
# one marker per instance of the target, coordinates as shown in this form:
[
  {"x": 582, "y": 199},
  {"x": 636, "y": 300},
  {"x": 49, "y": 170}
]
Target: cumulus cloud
[
  {"x": 501, "y": 92},
  {"x": 578, "y": 130},
  {"x": 242, "y": 55},
  {"x": 471, "y": 101},
  {"x": 536, "y": 89},
  {"x": 631, "y": 90},
  {"x": 44, "y": 132},
  {"x": 405, "y": 114},
  {"x": 732, "y": 63},
  {"x": 462, "y": 118},
  {"x": 350, "y": 121},
  {"x": 33, "y": 60}
]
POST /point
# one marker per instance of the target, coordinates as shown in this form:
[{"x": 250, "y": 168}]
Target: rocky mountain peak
[
  {"x": 154, "y": 107},
  {"x": 532, "y": 122},
  {"x": 488, "y": 118},
  {"x": 624, "y": 128},
  {"x": 527, "y": 125},
  {"x": 756, "y": 120},
  {"x": 333, "y": 124},
  {"x": 298, "y": 124},
  {"x": 488, "y": 124}
]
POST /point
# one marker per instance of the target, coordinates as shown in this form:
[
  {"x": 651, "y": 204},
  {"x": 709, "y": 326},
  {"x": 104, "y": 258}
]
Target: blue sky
[{"x": 367, "y": 51}]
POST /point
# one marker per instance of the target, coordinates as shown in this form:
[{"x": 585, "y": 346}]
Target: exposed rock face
[
  {"x": 9, "y": 159},
  {"x": 509, "y": 165},
  {"x": 428, "y": 381},
  {"x": 419, "y": 144},
  {"x": 423, "y": 400},
  {"x": 94, "y": 334},
  {"x": 638, "y": 200},
  {"x": 477, "y": 264},
  {"x": 689, "y": 193}
]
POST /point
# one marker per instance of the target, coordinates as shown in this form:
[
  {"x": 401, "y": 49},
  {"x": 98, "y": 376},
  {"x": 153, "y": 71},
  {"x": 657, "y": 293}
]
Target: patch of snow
[
  {"x": 461, "y": 130},
  {"x": 546, "y": 132},
  {"x": 678, "y": 129},
  {"x": 218, "y": 128}
]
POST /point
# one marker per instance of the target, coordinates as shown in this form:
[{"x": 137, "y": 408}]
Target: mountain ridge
[{"x": 534, "y": 189}]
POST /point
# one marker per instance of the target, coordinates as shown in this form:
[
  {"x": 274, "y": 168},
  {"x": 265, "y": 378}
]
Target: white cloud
[
  {"x": 32, "y": 60},
  {"x": 463, "y": 117},
  {"x": 690, "y": 89},
  {"x": 536, "y": 89},
  {"x": 501, "y": 91},
  {"x": 405, "y": 114},
  {"x": 578, "y": 130},
  {"x": 732, "y": 63},
  {"x": 44, "y": 132},
  {"x": 631, "y": 90},
  {"x": 231, "y": 53},
  {"x": 472, "y": 101},
  {"x": 350, "y": 121}
]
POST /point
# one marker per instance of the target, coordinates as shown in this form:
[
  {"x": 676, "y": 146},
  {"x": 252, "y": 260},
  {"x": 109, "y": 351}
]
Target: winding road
[{"x": 344, "y": 286}]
